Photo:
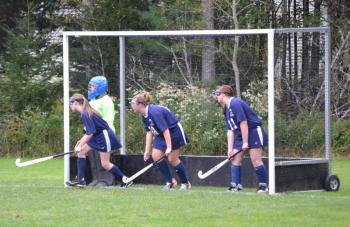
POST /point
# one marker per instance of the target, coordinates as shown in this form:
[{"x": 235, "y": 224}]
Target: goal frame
[{"x": 270, "y": 33}]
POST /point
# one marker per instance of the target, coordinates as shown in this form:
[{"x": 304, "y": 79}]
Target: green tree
[{"x": 30, "y": 69}]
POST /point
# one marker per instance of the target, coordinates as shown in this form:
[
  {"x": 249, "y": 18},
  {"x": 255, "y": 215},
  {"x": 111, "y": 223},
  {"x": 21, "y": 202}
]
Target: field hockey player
[
  {"x": 98, "y": 136},
  {"x": 164, "y": 136},
  {"x": 244, "y": 133}
]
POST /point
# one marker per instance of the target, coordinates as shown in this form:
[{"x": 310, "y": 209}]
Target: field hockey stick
[
  {"x": 215, "y": 168},
  {"x": 35, "y": 161},
  {"x": 142, "y": 171}
]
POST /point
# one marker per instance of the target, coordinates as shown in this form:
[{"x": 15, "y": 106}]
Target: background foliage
[{"x": 174, "y": 70}]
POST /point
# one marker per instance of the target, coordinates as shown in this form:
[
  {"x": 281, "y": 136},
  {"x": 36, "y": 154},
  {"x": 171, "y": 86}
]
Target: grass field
[{"x": 34, "y": 196}]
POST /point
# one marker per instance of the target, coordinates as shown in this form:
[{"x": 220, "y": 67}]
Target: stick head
[
  {"x": 18, "y": 162},
  {"x": 200, "y": 174},
  {"x": 125, "y": 179}
]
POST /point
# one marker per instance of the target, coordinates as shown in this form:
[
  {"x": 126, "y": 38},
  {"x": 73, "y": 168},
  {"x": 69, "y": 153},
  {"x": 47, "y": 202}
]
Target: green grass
[{"x": 34, "y": 196}]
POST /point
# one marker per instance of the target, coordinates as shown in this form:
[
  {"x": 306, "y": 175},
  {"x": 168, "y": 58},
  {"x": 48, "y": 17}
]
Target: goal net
[{"x": 282, "y": 73}]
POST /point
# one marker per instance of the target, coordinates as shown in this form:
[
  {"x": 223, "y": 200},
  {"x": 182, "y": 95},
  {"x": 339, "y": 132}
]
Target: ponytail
[
  {"x": 144, "y": 98},
  {"x": 85, "y": 103}
]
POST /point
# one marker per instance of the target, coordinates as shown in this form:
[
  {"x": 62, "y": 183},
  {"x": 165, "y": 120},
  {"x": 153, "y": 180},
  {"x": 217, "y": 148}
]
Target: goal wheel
[{"x": 332, "y": 183}]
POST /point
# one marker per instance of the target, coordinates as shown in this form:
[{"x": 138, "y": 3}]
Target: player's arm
[
  {"x": 245, "y": 134},
  {"x": 164, "y": 128},
  {"x": 167, "y": 138},
  {"x": 148, "y": 147},
  {"x": 82, "y": 142},
  {"x": 90, "y": 130},
  {"x": 241, "y": 119},
  {"x": 230, "y": 141}
]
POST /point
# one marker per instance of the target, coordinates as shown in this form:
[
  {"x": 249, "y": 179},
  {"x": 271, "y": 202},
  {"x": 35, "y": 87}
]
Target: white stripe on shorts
[
  {"x": 182, "y": 132},
  {"x": 260, "y": 135},
  {"x": 108, "y": 142}
]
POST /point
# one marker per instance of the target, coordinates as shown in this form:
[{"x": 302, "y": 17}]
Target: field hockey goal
[{"x": 283, "y": 73}]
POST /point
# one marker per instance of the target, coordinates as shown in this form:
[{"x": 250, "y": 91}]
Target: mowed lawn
[{"x": 35, "y": 196}]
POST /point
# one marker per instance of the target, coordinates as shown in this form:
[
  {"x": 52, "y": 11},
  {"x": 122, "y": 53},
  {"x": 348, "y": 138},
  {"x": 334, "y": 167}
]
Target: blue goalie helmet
[{"x": 98, "y": 85}]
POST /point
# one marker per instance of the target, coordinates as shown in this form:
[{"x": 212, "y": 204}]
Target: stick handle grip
[
  {"x": 232, "y": 156},
  {"x": 62, "y": 154}
]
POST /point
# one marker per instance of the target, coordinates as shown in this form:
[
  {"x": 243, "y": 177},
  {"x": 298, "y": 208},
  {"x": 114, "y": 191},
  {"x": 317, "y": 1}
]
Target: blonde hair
[
  {"x": 144, "y": 98},
  {"x": 84, "y": 102}
]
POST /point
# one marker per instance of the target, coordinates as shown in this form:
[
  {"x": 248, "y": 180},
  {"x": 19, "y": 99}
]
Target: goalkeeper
[{"x": 103, "y": 104}]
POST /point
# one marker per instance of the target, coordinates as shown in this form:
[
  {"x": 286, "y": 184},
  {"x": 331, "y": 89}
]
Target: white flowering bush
[
  {"x": 195, "y": 108},
  {"x": 256, "y": 96},
  {"x": 200, "y": 117}
]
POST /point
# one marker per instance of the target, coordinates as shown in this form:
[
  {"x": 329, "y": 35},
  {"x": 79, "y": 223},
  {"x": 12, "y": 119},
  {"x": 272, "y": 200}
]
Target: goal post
[
  {"x": 271, "y": 108},
  {"x": 121, "y": 37}
]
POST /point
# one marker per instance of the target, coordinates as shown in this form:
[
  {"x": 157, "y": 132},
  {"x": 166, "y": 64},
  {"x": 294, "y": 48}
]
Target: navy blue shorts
[
  {"x": 256, "y": 138},
  {"x": 106, "y": 141},
  {"x": 178, "y": 139}
]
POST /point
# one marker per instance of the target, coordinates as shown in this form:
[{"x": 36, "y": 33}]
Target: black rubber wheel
[{"x": 332, "y": 183}]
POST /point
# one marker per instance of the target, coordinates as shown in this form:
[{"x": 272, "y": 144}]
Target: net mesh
[
  {"x": 299, "y": 92},
  {"x": 181, "y": 73}
]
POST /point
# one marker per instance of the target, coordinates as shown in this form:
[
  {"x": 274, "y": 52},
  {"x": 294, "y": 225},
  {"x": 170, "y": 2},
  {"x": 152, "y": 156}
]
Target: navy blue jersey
[
  {"x": 158, "y": 119},
  {"x": 94, "y": 125},
  {"x": 103, "y": 138},
  {"x": 238, "y": 111}
]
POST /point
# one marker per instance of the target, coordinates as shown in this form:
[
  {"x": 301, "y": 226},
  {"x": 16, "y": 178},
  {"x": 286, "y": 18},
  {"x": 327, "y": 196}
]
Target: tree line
[{"x": 31, "y": 50}]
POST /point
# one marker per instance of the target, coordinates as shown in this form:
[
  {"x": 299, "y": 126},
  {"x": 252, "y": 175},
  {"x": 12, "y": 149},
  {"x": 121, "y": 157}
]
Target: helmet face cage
[{"x": 100, "y": 85}]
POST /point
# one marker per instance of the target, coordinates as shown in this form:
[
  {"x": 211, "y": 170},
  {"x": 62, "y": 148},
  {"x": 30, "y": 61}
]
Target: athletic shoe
[
  {"x": 235, "y": 188},
  {"x": 262, "y": 189},
  {"x": 186, "y": 186},
  {"x": 76, "y": 183},
  {"x": 125, "y": 185},
  {"x": 168, "y": 186}
]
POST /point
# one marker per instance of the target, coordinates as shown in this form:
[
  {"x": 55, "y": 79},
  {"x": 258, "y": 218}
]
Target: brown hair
[
  {"x": 84, "y": 102},
  {"x": 144, "y": 98},
  {"x": 226, "y": 89}
]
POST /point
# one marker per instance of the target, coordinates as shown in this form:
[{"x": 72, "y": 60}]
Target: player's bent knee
[
  {"x": 236, "y": 163},
  {"x": 81, "y": 155},
  {"x": 174, "y": 161},
  {"x": 156, "y": 157},
  {"x": 257, "y": 162},
  {"x": 237, "y": 160},
  {"x": 173, "y": 158},
  {"x": 106, "y": 165},
  {"x": 157, "y": 154}
]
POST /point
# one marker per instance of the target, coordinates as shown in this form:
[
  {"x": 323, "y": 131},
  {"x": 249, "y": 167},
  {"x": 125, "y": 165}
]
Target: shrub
[
  {"x": 256, "y": 96},
  {"x": 199, "y": 116},
  {"x": 302, "y": 136},
  {"x": 341, "y": 136},
  {"x": 35, "y": 133}
]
